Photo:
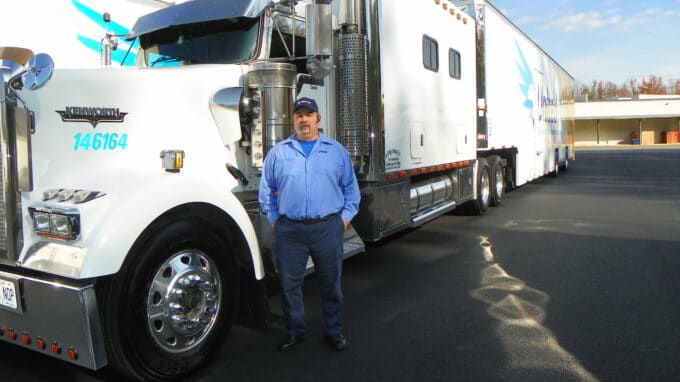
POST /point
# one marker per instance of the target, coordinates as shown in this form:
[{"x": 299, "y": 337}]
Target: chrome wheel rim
[{"x": 183, "y": 301}]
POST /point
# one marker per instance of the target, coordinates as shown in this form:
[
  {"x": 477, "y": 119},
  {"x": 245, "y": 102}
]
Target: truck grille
[
  {"x": 9, "y": 212},
  {"x": 3, "y": 213},
  {"x": 4, "y": 122}
]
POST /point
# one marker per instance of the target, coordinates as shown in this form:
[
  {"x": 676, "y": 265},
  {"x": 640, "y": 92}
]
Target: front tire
[{"x": 172, "y": 303}]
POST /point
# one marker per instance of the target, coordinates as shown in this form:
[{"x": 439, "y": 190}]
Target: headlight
[
  {"x": 56, "y": 223},
  {"x": 41, "y": 221}
]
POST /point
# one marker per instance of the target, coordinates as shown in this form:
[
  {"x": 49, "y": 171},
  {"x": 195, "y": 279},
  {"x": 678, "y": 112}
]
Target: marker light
[
  {"x": 25, "y": 339},
  {"x": 72, "y": 353},
  {"x": 75, "y": 196},
  {"x": 82, "y": 196},
  {"x": 65, "y": 195},
  {"x": 40, "y": 343},
  {"x": 50, "y": 194},
  {"x": 172, "y": 160},
  {"x": 11, "y": 335},
  {"x": 55, "y": 348}
]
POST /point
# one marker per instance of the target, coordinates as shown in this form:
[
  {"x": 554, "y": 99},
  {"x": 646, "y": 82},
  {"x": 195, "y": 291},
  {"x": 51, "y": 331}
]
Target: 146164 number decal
[{"x": 99, "y": 141}]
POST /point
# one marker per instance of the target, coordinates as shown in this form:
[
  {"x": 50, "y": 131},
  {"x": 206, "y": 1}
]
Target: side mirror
[{"x": 38, "y": 71}]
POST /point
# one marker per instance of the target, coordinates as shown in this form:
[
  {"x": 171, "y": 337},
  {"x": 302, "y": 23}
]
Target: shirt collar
[{"x": 294, "y": 142}]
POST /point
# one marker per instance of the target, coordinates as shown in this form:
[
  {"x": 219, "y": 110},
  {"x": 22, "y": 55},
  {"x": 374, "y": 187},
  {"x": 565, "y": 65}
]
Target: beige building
[{"x": 644, "y": 119}]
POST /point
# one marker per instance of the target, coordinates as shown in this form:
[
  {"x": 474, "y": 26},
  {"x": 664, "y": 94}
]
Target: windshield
[{"x": 215, "y": 42}]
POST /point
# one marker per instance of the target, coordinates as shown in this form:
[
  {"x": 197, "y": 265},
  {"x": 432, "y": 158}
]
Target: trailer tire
[
  {"x": 556, "y": 167},
  {"x": 172, "y": 304},
  {"x": 480, "y": 205},
  {"x": 565, "y": 166},
  {"x": 496, "y": 180}
]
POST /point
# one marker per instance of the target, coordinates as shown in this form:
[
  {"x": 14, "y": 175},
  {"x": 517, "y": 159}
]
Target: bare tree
[
  {"x": 652, "y": 85},
  {"x": 599, "y": 90},
  {"x": 609, "y": 90}
]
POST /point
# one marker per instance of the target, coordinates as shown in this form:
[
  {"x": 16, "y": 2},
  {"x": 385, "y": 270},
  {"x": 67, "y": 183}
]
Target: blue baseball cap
[{"x": 307, "y": 103}]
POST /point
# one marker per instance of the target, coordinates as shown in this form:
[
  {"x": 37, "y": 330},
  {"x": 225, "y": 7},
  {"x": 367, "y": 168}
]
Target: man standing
[{"x": 310, "y": 194}]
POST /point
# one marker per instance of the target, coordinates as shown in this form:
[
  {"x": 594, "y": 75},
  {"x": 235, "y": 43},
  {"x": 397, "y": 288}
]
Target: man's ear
[{"x": 318, "y": 117}]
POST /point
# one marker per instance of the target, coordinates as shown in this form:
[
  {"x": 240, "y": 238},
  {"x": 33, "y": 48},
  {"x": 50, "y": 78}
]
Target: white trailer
[
  {"x": 526, "y": 98},
  {"x": 131, "y": 231}
]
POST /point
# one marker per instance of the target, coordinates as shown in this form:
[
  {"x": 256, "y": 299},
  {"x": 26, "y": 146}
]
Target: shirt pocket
[
  {"x": 292, "y": 166},
  {"x": 328, "y": 166}
]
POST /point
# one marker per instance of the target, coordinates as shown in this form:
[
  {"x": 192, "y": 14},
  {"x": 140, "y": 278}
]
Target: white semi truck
[{"x": 130, "y": 231}]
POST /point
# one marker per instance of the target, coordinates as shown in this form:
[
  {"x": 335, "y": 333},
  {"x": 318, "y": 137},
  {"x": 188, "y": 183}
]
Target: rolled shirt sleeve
[
  {"x": 268, "y": 194},
  {"x": 350, "y": 189}
]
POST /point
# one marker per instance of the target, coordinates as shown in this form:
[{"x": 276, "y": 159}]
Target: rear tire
[
  {"x": 481, "y": 205},
  {"x": 172, "y": 304},
  {"x": 556, "y": 167},
  {"x": 497, "y": 180},
  {"x": 565, "y": 166}
]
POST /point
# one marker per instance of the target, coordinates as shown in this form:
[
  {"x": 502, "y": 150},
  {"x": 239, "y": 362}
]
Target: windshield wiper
[{"x": 166, "y": 59}]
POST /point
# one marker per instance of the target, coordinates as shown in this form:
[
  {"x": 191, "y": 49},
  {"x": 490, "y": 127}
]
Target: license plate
[{"x": 8, "y": 294}]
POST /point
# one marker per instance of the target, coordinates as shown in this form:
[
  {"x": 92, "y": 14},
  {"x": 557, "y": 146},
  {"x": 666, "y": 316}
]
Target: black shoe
[
  {"x": 336, "y": 341},
  {"x": 289, "y": 341}
]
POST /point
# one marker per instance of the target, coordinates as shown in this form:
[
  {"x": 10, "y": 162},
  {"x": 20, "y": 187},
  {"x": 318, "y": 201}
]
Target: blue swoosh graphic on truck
[{"x": 112, "y": 27}]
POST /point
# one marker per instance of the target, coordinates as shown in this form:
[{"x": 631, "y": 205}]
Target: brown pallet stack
[
  {"x": 670, "y": 136},
  {"x": 647, "y": 138}
]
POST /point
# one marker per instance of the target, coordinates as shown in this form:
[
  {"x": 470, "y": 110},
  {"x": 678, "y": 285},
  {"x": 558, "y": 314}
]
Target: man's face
[{"x": 306, "y": 123}]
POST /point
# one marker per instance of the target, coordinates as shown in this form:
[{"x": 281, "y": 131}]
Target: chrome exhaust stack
[
  {"x": 352, "y": 87},
  {"x": 268, "y": 106}
]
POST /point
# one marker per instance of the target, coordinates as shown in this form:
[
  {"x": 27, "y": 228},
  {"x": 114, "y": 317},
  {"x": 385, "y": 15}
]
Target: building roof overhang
[{"x": 628, "y": 109}]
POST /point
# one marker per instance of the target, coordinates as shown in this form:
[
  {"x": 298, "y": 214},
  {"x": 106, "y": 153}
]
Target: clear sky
[{"x": 605, "y": 40}]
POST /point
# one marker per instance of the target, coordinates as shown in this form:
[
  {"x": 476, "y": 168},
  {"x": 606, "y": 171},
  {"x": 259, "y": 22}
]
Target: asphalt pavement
[{"x": 572, "y": 278}]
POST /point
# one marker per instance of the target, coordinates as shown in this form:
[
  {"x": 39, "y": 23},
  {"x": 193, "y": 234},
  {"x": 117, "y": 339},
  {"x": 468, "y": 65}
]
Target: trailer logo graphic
[
  {"x": 93, "y": 115},
  {"x": 527, "y": 85}
]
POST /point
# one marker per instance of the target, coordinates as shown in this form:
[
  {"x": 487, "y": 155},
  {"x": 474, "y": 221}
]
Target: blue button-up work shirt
[{"x": 308, "y": 187}]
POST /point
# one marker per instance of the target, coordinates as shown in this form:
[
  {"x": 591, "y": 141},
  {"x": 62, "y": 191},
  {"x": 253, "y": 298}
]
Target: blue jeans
[{"x": 294, "y": 242}]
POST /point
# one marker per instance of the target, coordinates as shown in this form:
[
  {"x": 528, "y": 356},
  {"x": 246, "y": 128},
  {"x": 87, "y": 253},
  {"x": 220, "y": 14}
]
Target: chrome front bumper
[{"x": 53, "y": 318}]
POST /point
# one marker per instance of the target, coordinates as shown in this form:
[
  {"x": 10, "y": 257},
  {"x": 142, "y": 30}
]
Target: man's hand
[{"x": 345, "y": 222}]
